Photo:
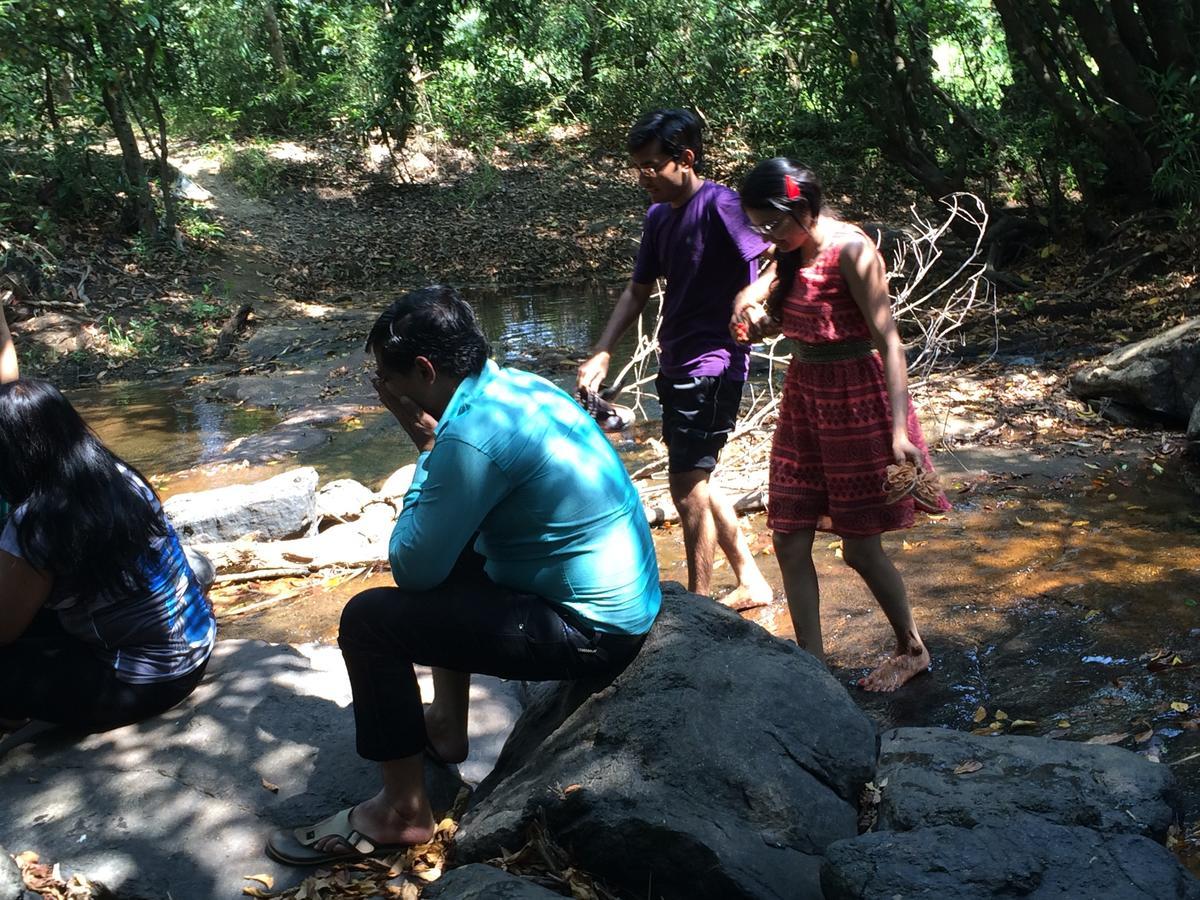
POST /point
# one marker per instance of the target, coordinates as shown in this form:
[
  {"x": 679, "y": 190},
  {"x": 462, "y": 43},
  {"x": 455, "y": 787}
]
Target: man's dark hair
[
  {"x": 676, "y": 130},
  {"x": 433, "y": 322}
]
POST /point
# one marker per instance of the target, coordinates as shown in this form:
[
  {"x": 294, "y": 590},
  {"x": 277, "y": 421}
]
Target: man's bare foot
[
  {"x": 896, "y": 670},
  {"x": 383, "y": 825},
  {"x": 748, "y": 596},
  {"x": 444, "y": 742}
]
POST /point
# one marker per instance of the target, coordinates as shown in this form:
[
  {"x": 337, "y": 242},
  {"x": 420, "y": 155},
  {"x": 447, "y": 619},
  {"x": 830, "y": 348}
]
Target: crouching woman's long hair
[{"x": 83, "y": 520}]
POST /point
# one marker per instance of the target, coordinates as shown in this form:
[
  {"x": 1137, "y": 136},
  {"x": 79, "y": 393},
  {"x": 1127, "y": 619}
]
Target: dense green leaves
[{"x": 1029, "y": 102}]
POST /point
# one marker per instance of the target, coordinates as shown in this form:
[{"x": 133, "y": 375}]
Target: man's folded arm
[{"x": 454, "y": 487}]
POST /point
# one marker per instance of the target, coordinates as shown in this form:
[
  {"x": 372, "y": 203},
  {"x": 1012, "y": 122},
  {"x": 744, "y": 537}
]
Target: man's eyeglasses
[
  {"x": 769, "y": 228},
  {"x": 649, "y": 170}
]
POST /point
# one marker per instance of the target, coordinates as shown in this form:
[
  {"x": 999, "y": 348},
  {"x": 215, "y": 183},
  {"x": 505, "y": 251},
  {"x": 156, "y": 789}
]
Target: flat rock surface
[
  {"x": 183, "y": 802},
  {"x": 482, "y": 882},
  {"x": 1062, "y": 782},
  {"x": 1025, "y": 858}
]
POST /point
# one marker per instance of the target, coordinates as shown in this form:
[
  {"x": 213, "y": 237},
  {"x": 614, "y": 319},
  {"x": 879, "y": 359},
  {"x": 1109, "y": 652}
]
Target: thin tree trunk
[
  {"x": 1118, "y": 69},
  {"x": 51, "y": 107},
  {"x": 275, "y": 38},
  {"x": 1133, "y": 36},
  {"x": 1165, "y": 21},
  {"x": 131, "y": 158}
]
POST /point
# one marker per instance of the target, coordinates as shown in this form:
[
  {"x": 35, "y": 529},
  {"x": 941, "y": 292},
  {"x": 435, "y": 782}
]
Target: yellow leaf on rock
[
  {"x": 1063, "y": 723},
  {"x": 1180, "y": 706},
  {"x": 1079, "y": 523},
  {"x": 266, "y": 881},
  {"x": 1001, "y": 715},
  {"x": 1023, "y": 523},
  {"x": 980, "y": 714},
  {"x": 1022, "y": 723}
]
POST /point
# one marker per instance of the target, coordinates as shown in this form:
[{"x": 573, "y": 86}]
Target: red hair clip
[{"x": 792, "y": 189}]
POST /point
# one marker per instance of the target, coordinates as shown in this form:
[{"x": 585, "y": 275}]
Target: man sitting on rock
[{"x": 522, "y": 551}]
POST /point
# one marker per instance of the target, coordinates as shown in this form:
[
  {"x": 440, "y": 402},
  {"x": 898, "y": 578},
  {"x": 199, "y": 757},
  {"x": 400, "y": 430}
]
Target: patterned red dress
[{"x": 833, "y": 442}]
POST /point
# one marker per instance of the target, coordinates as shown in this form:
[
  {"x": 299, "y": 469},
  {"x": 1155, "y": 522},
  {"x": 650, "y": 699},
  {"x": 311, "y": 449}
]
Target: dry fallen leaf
[
  {"x": 1180, "y": 706},
  {"x": 1001, "y": 715},
  {"x": 273, "y": 788},
  {"x": 1022, "y": 723},
  {"x": 980, "y": 714},
  {"x": 1114, "y": 738},
  {"x": 1063, "y": 723},
  {"x": 266, "y": 881},
  {"x": 967, "y": 767}
]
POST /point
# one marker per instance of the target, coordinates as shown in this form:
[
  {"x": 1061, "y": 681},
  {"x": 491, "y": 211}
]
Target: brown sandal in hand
[{"x": 907, "y": 479}]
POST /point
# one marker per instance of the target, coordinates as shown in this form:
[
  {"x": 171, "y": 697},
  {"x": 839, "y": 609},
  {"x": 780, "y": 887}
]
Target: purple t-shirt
[{"x": 707, "y": 253}]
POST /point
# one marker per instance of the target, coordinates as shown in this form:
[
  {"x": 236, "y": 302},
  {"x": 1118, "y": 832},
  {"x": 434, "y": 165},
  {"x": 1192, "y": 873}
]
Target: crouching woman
[{"x": 102, "y": 620}]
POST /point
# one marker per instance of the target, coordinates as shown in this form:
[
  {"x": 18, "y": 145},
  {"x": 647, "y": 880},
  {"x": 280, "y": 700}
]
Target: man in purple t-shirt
[{"x": 697, "y": 238}]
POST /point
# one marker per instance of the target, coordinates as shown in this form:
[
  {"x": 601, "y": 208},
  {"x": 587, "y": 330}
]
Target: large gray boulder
[
  {"x": 1026, "y": 858},
  {"x": 343, "y": 499},
  {"x": 280, "y": 507},
  {"x": 480, "y": 882},
  {"x": 933, "y": 776},
  {"x": 12, "y": 887},
  {"x": 720, "y": 764},
  {"x": 1160, "y": 374}
]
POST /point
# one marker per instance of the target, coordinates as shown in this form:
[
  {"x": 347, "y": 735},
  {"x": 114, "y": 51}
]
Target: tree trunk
[
  {"x": 1118, "y": 69},
  {"x": 141, "y": 204},
  {"x": 275, "y": 38}
]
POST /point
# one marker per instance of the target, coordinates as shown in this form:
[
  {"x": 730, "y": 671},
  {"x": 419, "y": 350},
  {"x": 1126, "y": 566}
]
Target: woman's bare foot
[
  {"x": 896, "y": 670},
  {"x": 445, "y": 741},
  {"x": 384, "y": 826}
]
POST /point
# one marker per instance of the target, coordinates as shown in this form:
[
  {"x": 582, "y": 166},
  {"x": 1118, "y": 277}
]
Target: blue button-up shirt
[{"x": 518, "y": 461}]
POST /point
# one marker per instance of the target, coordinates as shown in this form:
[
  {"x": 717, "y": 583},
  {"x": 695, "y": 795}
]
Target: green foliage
[
  {"x": 1177, "y": 134},
  {"x": 939, "y": 94}
]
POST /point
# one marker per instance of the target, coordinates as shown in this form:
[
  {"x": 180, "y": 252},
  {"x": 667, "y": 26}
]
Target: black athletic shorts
[{"x": 698, "y": 415}]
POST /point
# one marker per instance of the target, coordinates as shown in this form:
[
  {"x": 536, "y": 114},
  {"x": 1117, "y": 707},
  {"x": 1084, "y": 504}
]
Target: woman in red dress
[{"x": 846, "y": 414}]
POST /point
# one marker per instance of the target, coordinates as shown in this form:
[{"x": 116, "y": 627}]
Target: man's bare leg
[
  {"x": 446, "y": 716},
  {"x": 689, "y": 491},
  {"x": 399, "y": 813},
  {"x": 794, "y": 552},
  {"x": 752, "y": 588},
  {"x": 867, "y": 557}
]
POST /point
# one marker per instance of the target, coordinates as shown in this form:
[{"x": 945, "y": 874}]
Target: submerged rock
[{"x": 720, "y": 764}]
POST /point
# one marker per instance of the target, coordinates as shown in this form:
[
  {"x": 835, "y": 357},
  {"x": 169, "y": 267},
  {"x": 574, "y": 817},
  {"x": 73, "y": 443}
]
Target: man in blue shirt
[{"x": 522, "y": 551}]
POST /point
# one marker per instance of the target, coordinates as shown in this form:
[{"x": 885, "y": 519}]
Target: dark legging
[
  {"x": 466, "y": 624},
  {"x": 50, "y": 675}
]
